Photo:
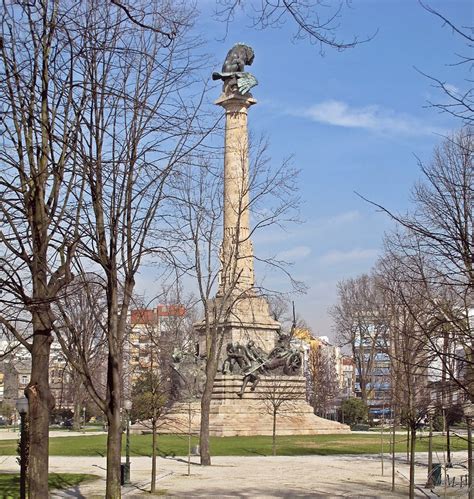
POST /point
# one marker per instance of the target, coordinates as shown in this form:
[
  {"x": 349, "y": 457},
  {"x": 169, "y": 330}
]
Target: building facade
[
  {"x": 153, "y": 334},
  {"x": 373, "y": 371}
]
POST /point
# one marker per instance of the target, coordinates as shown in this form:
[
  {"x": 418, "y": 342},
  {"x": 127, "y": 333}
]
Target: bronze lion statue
[
  {"x": 233, "y": 75},
  {"x": 239, "y": 55}
]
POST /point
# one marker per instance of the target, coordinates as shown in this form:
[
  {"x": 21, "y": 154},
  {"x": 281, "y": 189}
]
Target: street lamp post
[
  {"x": 430, "y": 482},
  {"x": 470, "y": 466},
  {"x": 469, "y": 414},
  {"x": 22, "y": 408},
  {"x": 127, "y": 405}
]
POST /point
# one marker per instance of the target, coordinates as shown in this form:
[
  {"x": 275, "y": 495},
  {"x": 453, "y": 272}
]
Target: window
[{"x": 24, "y": 379}]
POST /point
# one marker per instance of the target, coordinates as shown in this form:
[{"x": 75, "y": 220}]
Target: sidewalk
[
  {"x": 255, "y": 477},
  {"x": 14, "y": 434}
]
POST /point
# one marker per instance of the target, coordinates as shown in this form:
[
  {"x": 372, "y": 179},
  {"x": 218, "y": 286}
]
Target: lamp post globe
[{"x": 22, "y": 405}]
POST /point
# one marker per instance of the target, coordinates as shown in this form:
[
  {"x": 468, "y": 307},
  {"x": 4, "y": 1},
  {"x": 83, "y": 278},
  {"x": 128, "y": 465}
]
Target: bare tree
[
  {"x": 151, "y": 403},
  {"x": 279, "y": 397},
  {"x": 195, "y": 225},
  {"x": 460, "y": 102},
  {"x": 361, "y": 322},
  {"x": 142, "y": 122},
  {"x": 41, "y": 108},
  {"x": 428, "y": 272},
  {"x": 80, "y": 329},
  {"x": 438, "y": 244},
  {"x": 314, "y": 20},
  {"x": 323, "y": 382},
  {"x": 280, "y": 308},
  {"x": 443, "y": 325},
  {"x": 162, "y": 333},
  {"x": 408, "y": 347}
]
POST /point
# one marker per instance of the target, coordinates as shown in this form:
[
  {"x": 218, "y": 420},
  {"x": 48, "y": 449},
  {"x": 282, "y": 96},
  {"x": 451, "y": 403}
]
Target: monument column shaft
[
  {"x": 236, "y": 172},
  {"x": 237, "y": 312},
  {"x": 236, "y": 252}
]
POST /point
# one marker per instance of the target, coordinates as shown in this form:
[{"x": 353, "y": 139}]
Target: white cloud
[
  {"x": 342, "y": 218},
  {"x": 357, "y": 254},
  {"x": 296, "y": 253},
  {"x": 452, "y": 89},
  {"x": 373, "y": 118}
]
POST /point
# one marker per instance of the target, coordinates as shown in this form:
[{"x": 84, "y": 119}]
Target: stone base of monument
[
  {"x": 231, "y": 415},
  {"x": 252, "y": 414},
  {"x": 250, "y": 320}
]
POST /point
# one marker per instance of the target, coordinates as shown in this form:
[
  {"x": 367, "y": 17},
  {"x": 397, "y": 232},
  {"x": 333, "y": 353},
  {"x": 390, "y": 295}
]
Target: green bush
[
  {"x": 454, "y": 416},
  {"x": 360, "y": 427},
  {"x": 354, "y": 411}
]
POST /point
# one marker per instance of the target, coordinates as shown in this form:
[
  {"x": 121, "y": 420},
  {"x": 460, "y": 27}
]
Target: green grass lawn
[
  {"x": 10, "y": 482},
  {"x": 94, "y": 445}
]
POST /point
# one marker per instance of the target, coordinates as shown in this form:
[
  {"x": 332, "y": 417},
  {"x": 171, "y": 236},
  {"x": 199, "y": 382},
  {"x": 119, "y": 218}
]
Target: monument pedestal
[
  {"x": 252, "y": 414},
  {"x": 249, "y": 320},
  {"x": 231, "y": 415}
]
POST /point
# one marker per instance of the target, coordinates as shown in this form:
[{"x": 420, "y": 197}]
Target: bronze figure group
[{"x": 252, "y": 362}]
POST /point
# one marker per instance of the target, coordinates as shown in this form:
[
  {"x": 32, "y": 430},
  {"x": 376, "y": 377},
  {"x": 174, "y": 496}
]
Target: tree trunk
[
  {"x": 114, "y": 435},
  {"x": 393, "y": 450},
  {"x": 470, "y": 463},
  {"x": 153, "y": 457},
  {"x": 449, "y": 464},
  {"x": 412, "y": 462},
  {"x": 429, "y": 481},
  {"x": 408, "y": 443},
  {"x": 204, "y": 429},
  {"x": 363, "y": 391},
  {"x": 469, "y": 376},
  {"x": 40, "y": 404},
  {"x": 211, "y": 370},
  {"x": 76, "y": 425},
  {"x": 381, "y": 447},
  {"x": 189, "y": 437},
  {"x": 274, "y": 432},
  {"x": 115, "y": 325}
]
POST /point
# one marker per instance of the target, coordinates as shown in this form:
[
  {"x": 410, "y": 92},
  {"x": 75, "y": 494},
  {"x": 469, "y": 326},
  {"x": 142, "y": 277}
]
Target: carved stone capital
[{"x": 235, "y": 103}]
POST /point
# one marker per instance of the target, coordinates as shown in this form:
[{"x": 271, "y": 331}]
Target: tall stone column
[
  {"x": 237, "y": 315},
  {"x": 240, "y": 314},
  {"x": 237, "y": 274}
]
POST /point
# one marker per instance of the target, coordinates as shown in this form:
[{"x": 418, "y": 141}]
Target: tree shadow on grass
[
  {"x": 255, "y": 452},
  {"x": 69, "y": 483},
  {"x": 10, "y": 484}
]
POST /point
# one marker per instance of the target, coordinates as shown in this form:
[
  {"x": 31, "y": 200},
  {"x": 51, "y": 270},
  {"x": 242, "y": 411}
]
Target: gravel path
[{"x": 251, "y": 477}]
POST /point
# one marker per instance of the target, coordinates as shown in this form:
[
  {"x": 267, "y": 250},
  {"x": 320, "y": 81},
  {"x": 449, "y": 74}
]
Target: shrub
[{"x": 354, "y": 411}]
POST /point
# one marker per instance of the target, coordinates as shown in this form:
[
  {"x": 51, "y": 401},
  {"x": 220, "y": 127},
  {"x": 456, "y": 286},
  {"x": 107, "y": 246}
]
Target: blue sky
[{"x": 353, "y": 121}]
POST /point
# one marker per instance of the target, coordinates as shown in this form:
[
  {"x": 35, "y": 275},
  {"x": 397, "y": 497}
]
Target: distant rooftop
[{"x": 151, "y": 315}]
